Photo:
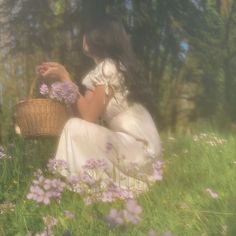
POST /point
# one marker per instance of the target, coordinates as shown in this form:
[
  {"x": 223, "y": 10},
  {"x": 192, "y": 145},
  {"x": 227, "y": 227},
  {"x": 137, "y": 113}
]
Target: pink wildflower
[
  {"x": 131, "y": 214},
  {"x": 57, "y": 166},
  {"x": 43, "y": 190},
  {"x": 211, "y": 193},
  {"x": 96, "y": 164},
  {"x": 44, "y": 89}
]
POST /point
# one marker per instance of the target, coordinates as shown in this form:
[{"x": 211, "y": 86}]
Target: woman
[{"x": 129, "y": 142}]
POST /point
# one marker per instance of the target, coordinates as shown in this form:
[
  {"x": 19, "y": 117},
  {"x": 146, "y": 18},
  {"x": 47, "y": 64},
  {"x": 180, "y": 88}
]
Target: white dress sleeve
[{"x": 105, "y": 73}]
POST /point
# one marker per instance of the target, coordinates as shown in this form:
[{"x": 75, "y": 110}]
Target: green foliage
[{"x": 51, "y": 30}]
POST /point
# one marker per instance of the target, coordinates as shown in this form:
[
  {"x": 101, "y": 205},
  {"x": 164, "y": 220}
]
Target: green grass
[{"x": 178, "y": 204}]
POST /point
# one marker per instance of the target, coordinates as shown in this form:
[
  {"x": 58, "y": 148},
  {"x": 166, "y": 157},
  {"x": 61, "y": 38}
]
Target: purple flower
[
  {"x": 107, "y": 196},
  {"x": 87, "y": 179},
  {"x": 74, "y": 184},
  {"x": 114, "y": 218},
  {"x": 131, "y": 214},
  {"x": 43, "y": 190},
  {"x": 44, "y": 89},
  {"x": 133, "y": 207},
  {"x": 132, "y": 211},
  {"x": 211, "y": 193},
  {"x": 114, "y": 192},
  {"x": 57, "y": 166},
  {"x": 92, "y": 164},
  {"x": 66, "y": 92}
]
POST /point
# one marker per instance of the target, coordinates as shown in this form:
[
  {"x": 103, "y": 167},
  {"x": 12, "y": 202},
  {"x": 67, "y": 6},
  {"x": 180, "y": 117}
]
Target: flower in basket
[{"x": 66, "y": 91}]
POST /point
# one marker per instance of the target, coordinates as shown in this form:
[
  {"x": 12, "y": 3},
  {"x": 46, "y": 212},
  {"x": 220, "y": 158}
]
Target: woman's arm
[{"x": 91, "y": 106}]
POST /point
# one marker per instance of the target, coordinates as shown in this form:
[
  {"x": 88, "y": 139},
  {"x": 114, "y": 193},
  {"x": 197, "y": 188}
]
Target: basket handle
[{"x": 32, "y": 86}]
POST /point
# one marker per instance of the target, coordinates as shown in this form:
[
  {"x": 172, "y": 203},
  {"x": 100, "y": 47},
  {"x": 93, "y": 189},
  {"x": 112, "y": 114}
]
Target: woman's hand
[{"x": 53, "y": 70}]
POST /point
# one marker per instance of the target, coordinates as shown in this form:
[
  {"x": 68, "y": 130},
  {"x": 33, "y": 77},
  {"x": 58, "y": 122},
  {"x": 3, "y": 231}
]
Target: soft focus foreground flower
[
  {"x": 114, "y": 218},
  {"x": 114, "y": 192},
  {"x": 43, "y": 190},
  {"x": 131, "y": 214},
  {"x": 92, "y": 183},
  {"x": 211, "y": 193}
]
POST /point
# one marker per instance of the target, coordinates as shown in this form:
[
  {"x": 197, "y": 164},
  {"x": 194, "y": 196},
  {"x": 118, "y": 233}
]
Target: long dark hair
[{"x": 107, "y": 37}]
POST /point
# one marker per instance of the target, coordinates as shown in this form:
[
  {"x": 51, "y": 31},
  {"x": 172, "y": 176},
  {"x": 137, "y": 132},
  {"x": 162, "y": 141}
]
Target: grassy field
[{"x": 197, "y": 195}]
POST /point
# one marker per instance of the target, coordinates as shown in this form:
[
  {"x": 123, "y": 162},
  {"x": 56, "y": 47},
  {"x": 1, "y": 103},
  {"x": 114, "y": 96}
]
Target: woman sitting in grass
[{"x": 129, "y": 143}]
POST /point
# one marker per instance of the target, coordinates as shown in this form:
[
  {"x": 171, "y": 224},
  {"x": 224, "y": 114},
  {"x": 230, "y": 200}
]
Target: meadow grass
[{"x": 179, "y": 203}]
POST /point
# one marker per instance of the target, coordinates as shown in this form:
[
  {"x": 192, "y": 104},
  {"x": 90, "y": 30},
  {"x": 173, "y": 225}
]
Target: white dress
[{"x": 129, "y": 142}]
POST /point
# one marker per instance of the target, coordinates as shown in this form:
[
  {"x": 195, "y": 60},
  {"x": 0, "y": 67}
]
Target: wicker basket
[{"x": 38, "y": 117}]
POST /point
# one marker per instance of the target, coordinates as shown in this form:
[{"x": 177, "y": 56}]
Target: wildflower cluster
[
  {"x": 91, "y": 184},
  {"x": 57, "y": 166},
  {"x": 93, "y": 164},
  {"x": 66, "y": 91},
  {"x": 130, "y": 214},
  {"x": 43, "y": 190},
  {"x": 210, "y": 139},
  {"x": 114, "y": 192}
]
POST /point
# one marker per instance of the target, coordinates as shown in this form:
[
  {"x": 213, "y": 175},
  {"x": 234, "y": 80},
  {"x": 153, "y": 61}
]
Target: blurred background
[{"x": 187, "y": 48}]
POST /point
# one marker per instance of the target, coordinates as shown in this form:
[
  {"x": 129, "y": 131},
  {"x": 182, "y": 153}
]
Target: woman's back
[{"x": 120, "y": 116}]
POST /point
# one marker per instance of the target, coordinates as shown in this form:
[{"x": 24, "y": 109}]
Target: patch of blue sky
[{"x": 184, "y": 46}]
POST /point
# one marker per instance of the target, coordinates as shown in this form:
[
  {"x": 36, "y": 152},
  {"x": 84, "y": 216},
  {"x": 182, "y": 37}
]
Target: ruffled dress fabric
[{"x": 129, "y": 142}]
